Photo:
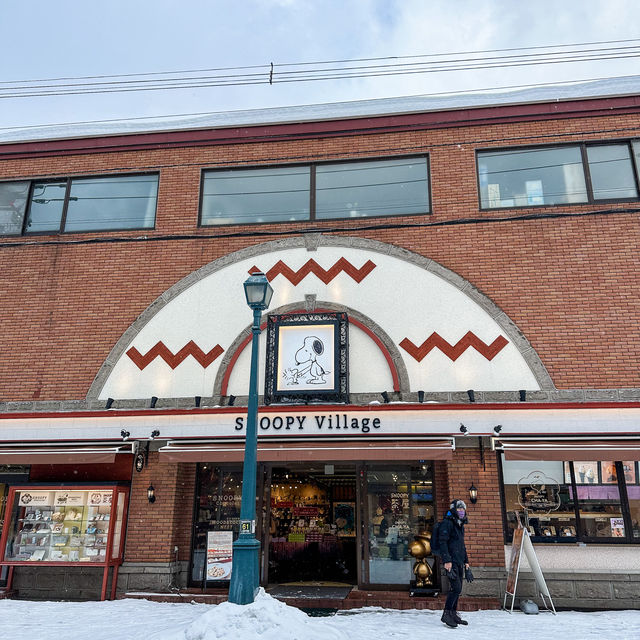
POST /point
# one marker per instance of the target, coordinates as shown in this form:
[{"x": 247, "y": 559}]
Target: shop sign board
[
  {"x": 97, "y": 498},
  {"x": 522, "y": 543},
  {"x": 219, "y": 555},
  {"x": 35, "y": 498},
  {"x": 70, "y": 498},
  {"x": 538, "y": 493}
]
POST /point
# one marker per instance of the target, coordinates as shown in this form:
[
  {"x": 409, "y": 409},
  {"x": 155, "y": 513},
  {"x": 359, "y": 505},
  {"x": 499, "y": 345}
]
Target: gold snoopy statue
[{"x": 420, "y": 549}]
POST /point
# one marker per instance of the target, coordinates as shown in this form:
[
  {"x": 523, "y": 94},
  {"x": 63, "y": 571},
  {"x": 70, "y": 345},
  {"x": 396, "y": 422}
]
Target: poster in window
[
  {"x": 629, "y": 469},
  {"x": 617, "y": 527},
  {"x": 307, "y": 358},
  {"x": 219, "y": 555},
  {"x": 586, "y": 472},
  {"x": 609, "y": 473},
  {"x": 344, "y": 518}
]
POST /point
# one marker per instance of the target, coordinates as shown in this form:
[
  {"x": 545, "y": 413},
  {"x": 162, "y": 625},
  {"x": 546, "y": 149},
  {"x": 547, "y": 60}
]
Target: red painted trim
[
  {"x": 339, "y": 127},
  {"x": 311, "y": 266},
  {"x": 234, "y": 359},
  {"x": 385, "y": 352},
  {"x": 454, "y": 351},
  {"x": 160, "y": 350},
  {"x": 400, "y": 406}
]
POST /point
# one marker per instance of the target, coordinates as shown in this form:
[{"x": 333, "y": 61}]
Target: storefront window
[
  {"x": 219, "y": 494},
  {"x": 603, "y": 514},
  {"x": 60, "y": 525},
  {"x": 599, "y": 499},
  {"x": 538, "y": 486},
  {"x": 399, "y": 505}
]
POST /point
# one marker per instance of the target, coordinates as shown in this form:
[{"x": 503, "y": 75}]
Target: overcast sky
[{"x": 46, "y": 39}]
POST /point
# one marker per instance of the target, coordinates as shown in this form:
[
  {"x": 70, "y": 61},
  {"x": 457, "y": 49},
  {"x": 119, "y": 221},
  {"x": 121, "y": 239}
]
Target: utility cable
[
  {"x": 323, "y": 73},
  {"x": 415, "y": 96},
  {"x": 324, "y": 230}
]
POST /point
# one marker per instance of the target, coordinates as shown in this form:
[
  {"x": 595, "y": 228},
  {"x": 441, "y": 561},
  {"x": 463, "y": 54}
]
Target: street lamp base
[{"x": 245, "y": 574}]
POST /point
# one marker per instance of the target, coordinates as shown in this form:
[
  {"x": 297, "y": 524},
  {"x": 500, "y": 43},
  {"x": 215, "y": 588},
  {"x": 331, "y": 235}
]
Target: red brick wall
[
  {"x": 155, "y": 529},
  {"x": 483, "y": 535},
  {"x": 570, "y": 284}
]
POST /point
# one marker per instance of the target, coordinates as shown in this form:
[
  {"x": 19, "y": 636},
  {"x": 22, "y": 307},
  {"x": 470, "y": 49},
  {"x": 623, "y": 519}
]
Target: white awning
[
  {"x": 77, "y": 453},
  {"x": 339, "y": 450}
]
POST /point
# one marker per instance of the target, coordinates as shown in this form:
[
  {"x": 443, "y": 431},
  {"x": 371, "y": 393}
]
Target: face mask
[{"x": 461, "y": 513}]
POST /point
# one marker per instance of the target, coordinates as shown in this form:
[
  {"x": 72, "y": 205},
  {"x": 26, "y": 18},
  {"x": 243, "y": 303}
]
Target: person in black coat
[{"x": 455, "y": 559}]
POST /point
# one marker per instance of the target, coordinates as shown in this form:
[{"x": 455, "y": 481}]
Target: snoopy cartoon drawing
[{"x": 307, "y": 360}]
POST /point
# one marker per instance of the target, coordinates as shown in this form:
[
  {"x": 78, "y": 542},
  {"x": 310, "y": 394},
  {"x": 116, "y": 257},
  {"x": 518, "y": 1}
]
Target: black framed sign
[{"x": 307, "y": 358}]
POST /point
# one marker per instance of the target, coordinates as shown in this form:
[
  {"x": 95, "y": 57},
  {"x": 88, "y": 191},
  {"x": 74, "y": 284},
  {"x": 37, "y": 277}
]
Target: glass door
[
  {"x": 398, "y": 504},
  {"x": 312, "y": 529}
]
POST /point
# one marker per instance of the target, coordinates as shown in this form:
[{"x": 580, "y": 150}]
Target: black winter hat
[{"x": 457, "y": 504}]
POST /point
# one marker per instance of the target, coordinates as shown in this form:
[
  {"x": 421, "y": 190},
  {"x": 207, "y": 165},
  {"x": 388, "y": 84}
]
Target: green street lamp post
[{"x": 245, "y": 575}]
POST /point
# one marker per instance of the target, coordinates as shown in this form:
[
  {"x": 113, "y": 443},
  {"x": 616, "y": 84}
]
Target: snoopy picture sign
[{"x": 307, "y": 358}]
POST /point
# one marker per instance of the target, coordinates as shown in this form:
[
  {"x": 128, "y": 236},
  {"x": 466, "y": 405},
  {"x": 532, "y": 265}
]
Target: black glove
[{"x": 468, "y": 575}]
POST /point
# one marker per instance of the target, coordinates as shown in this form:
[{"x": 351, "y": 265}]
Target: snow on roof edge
[{"x": 376, "y": 107}]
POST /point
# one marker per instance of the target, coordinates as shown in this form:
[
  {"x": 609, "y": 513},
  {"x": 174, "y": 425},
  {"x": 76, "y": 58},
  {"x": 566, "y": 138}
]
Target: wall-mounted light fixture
[
  {"x": 420, "y": 397},
  {"x": 151, "y": 494},
  {"x": 472, "y": 395},
  {"x": 385, "y": 397},
  {"x": 109, "y": 403},
  {"x": 125, "y": 434},
  {"x": 464, "y": 429},
  {"x": 154, "y": 399},
  {"x": 473, "y": 494}
]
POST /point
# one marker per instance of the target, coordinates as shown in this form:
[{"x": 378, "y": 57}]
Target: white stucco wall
[
  {"x": 405, "y": 300},
  {"x": 582, "y": 558}
]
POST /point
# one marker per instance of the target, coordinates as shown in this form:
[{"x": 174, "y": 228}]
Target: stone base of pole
[{"x": 245, "y": 573}]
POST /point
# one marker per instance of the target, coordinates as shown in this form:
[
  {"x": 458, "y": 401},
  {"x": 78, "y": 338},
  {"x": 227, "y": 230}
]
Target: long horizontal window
[
  {"x": 78, "y": 204},
  {"x": 589, "y": 501},
  {"x": 557, "y": 175},
  {"x": 390, "y": 187}
]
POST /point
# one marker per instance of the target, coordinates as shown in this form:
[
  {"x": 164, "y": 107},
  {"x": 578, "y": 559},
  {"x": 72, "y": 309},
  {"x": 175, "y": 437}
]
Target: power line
[
  {"x": 532, "y": 217},
  {"x": 323, "y": 72},
  {"x": 213, "y": 113},
  {"x": 340, "y": 61}
]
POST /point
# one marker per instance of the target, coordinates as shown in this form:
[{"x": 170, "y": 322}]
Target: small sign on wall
[
  {"x": 219, "y": 555},
  {"x": 35, "y": 498}
]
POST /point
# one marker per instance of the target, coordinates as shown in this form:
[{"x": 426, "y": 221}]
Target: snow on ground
[{"x": 269, "y": 619}]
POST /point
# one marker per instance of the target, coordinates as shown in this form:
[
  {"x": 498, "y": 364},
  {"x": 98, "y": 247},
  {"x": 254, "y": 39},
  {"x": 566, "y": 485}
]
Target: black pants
[{"x": 455, "y": 586}]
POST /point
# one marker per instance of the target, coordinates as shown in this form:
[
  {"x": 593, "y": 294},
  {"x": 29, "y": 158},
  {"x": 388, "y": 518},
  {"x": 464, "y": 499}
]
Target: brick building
[{"x": 476, "y": 253}]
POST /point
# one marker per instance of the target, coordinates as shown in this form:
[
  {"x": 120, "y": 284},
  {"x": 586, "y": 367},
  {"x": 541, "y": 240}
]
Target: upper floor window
[
  {"x": 78, "y": 204},
  {"x": 390, "y": 187},
  {"x": 571, "y": 174}
]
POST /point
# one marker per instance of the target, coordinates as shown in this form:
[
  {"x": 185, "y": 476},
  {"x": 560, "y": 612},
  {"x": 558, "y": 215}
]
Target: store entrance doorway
[{"x": 312, "y": 524}]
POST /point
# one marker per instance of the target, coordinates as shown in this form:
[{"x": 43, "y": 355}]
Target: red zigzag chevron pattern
[
  {"x": 470, "y": 339},
  {"x": 311, "y": 266},
  {"x": 173, "y": 360}
]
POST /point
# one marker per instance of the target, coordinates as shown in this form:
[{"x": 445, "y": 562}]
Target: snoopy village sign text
[{"x": 307, "y": 358}]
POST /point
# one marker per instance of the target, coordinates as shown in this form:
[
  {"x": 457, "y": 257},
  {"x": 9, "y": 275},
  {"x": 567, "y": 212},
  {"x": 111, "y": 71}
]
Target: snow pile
[{"x": 266, "y": 618}]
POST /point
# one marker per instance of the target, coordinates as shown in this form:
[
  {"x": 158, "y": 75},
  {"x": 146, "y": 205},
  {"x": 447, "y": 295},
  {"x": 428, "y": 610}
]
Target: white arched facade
[{"x": 446, "y": 339}]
